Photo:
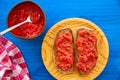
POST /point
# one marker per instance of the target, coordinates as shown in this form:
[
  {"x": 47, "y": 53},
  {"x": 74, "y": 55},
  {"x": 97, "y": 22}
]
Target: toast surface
[
  {"x": 63, "y": 50},
  {"x": 86, "y": 50}
]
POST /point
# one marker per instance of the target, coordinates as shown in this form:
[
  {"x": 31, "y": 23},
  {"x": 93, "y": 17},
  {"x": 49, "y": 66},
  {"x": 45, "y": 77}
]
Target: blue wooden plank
[{"x": 105, "y": 13}]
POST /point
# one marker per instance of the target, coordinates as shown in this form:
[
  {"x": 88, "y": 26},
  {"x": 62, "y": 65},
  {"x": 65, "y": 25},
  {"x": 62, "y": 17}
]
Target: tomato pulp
[
  {"x": 64, "y": 49},
  {"x": 86, "y": 49},
  {"x": 20, "y": 13}
]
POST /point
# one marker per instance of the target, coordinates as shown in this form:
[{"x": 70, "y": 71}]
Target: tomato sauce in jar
[
  {"x": 20, "y": 13},
  {"x": 86, "y": 50}
]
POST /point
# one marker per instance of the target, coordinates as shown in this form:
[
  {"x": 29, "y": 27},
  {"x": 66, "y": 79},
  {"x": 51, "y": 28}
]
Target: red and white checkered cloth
[{"x": 12, "y": 64}]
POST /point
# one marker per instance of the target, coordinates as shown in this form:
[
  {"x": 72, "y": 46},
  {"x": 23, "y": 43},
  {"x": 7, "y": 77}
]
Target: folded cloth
[{"x": 12, "y": 64}]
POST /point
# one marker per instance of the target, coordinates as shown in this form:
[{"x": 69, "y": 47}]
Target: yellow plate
[{"x": 74, "y": 24}]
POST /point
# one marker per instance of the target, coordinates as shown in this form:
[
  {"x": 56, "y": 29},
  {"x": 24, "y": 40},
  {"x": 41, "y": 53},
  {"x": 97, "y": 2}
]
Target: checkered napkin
[{"x": 12, "y": 64}]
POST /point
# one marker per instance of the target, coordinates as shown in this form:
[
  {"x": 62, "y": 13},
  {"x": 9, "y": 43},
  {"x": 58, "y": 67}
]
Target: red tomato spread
[
  {"x": 86, "y": 49},
  {"x": 20, "y": 13},
  {"x": 64, "y": 50}
]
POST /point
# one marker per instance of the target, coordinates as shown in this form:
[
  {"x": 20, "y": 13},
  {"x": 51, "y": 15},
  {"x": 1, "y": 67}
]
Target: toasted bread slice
[
  {"x": 86, "y": 50},
  {"x": 64, "y": 51}
]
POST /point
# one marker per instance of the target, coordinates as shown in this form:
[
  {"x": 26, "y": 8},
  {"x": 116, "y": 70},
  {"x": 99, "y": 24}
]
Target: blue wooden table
[{"x": 105, "y": 13}]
